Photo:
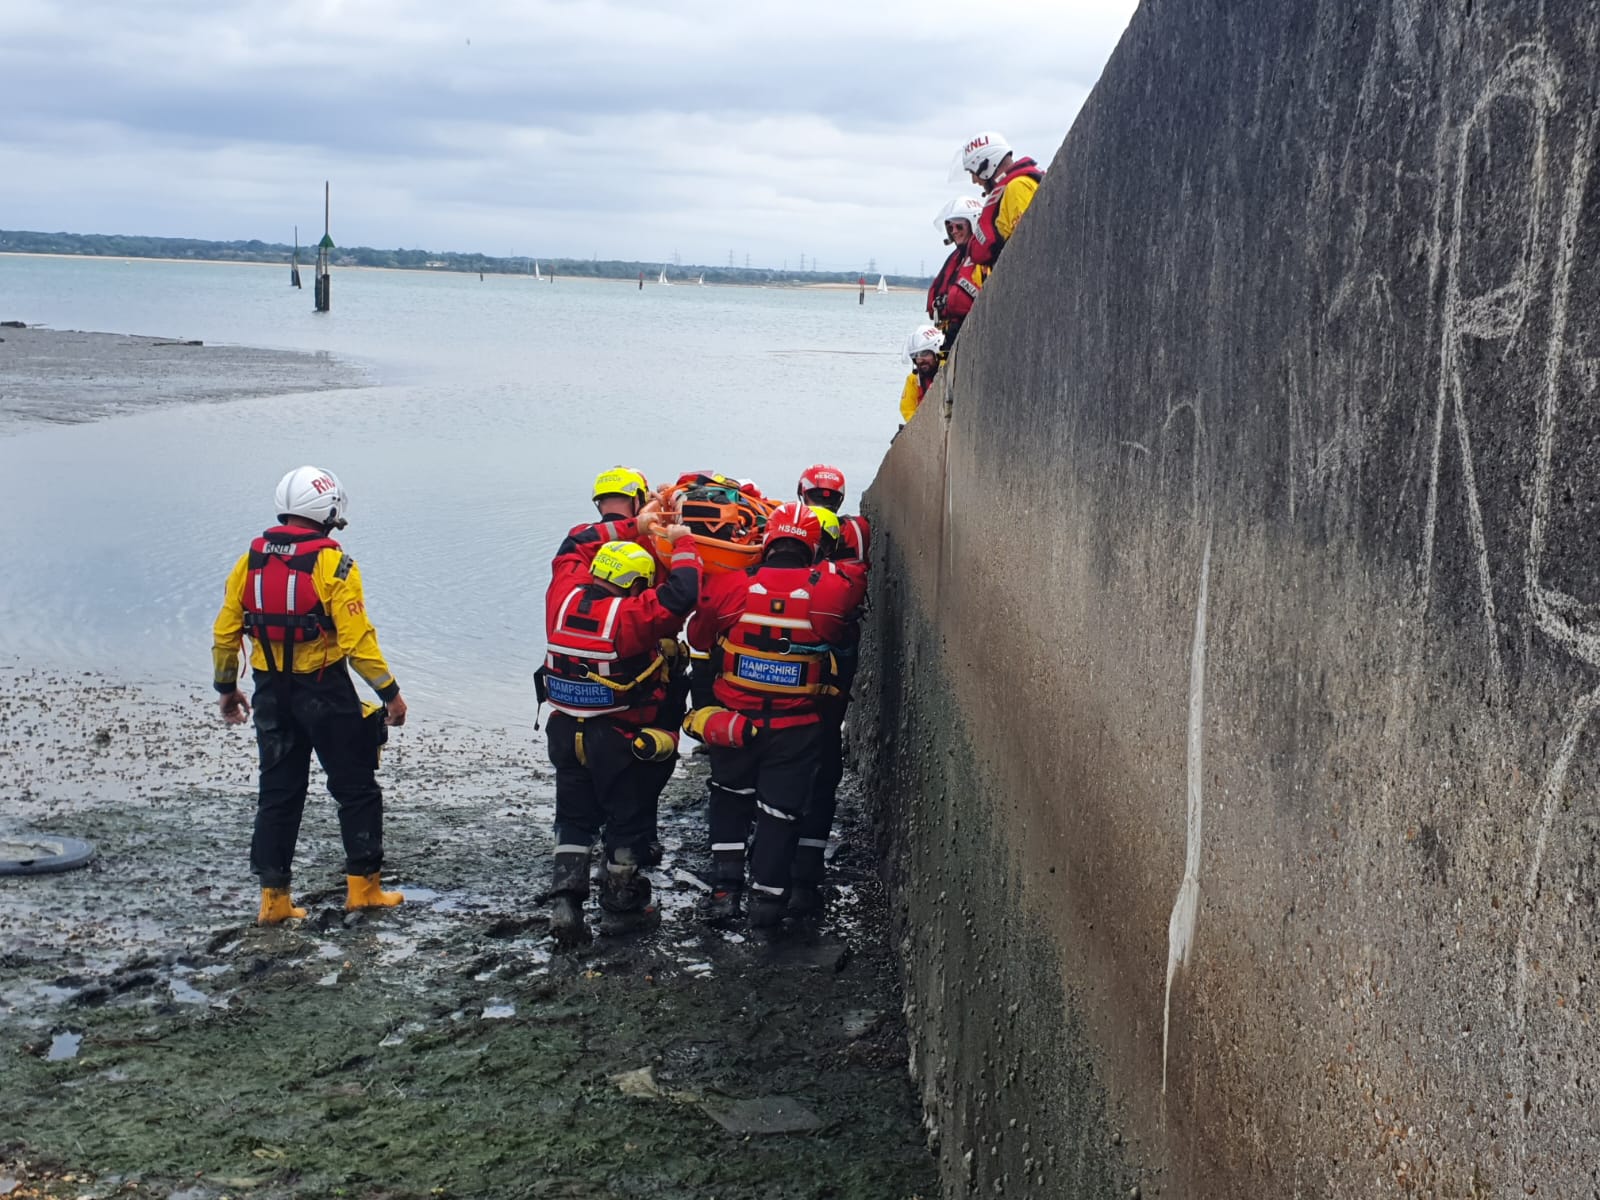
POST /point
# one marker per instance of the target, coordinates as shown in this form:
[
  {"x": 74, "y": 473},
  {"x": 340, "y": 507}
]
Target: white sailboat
[
  {"x": 663, "y": 281},
  {"x": 537, "y": 277},
  {"x": 883, "y": 285},
  {"x": 701, "y": 281}
]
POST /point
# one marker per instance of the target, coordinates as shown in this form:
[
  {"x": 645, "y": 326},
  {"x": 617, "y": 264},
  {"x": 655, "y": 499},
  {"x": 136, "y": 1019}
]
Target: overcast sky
[{"x": 557, "y": 128}]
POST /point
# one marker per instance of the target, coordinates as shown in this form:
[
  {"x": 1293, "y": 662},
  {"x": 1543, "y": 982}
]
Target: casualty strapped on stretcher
[{"x": 728, "y": 518}]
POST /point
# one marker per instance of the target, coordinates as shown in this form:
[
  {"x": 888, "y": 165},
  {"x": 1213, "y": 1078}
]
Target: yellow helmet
[
  {"x": 624, "y": 564},
  {"x": 621, "y": 481},
  {"x": 830, "y": 525}
]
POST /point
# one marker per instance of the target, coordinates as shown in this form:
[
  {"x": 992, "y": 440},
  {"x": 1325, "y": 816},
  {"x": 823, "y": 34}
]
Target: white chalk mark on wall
[
  {"x": 1186, "y": 908},
  {"x": 1526, "y": 75},
  {"x": 1567, "y": 621}
]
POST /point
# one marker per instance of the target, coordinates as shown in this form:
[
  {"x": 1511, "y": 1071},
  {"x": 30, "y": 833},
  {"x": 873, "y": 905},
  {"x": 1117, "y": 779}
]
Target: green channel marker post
[{"x": 324, "y": 285}]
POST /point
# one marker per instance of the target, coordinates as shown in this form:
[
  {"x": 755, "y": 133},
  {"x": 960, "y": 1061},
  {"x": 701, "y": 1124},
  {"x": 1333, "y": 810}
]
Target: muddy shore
[
  {"x": 50, "y": 376},
  {"x": 153, "y": 1042}
]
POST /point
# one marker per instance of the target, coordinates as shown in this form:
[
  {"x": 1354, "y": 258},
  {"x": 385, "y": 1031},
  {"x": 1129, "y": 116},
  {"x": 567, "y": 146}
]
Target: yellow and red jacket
[
  {"x": 772, "y": 632},
  {"x": 954, "y": 288},
  {"x": 911, "y": 395},
  {"x": 605, "y": 655},
  {"x": 1002, "y": 209},
  {"x": 298, "y": 597}
]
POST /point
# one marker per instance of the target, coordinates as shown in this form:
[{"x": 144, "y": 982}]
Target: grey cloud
[{"x": 825, "y": 129}]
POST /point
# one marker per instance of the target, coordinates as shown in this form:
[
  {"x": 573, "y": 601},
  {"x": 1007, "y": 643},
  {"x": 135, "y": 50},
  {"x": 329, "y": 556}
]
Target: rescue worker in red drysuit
[
  {"x": 823, "y": 488},
  {"x": 771, "y": 630},
  {"x": 957, "y": 283},
  {"x": 612, "y": 634},
  {"x": 621, "y": 497},
  {"x": 1009, "y": 186},
  {"x": 298, "y": 597}
]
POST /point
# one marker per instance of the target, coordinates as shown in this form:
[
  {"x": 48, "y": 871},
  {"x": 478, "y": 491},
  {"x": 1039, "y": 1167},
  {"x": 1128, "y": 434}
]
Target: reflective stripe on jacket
[{"x": 337, "y": 581}]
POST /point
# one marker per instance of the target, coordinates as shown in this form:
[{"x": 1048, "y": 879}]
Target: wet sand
[
  {"x": 50, "y": 376},
  {"x": 153, "y": 1039}
]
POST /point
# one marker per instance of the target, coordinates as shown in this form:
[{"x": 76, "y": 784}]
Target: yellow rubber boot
[
  {"x": 366, "y": 891},
  {"x": 277, "y": 907}
]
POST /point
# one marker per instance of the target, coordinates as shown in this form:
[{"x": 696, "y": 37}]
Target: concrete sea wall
[{"x": 1231, "y": 685}]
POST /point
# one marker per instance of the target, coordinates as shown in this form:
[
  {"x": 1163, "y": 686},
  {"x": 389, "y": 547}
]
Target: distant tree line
[{"x": 112, "y": 245}]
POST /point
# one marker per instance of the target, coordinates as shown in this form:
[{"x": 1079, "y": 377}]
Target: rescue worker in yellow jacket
[
  {"x": 1009, "y": 184},
  {"x": 297, "y": 596},
  {"x": 922, "y": 351}
]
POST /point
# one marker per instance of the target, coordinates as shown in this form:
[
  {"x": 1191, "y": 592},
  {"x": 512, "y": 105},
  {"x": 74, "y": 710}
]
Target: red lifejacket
[
  {"x": 584, "y": 675},
  {"x": 855, "y": 540},
  {"x": 280, "y": 599},
  {"x": 773, "y": 651},
  {"x": 984, "y": 233},
  {"x": 954, "y": 289}
]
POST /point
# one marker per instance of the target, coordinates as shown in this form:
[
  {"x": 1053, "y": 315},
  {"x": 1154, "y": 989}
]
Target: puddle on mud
[
  {"x": 184, "y": 993},
  {"x": 63, "y": 1046},
  {"x": 433, "y": 1022}
]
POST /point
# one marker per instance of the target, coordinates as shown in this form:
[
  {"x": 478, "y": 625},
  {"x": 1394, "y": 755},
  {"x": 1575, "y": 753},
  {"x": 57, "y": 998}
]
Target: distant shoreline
[{"x": 436, "y": 272}]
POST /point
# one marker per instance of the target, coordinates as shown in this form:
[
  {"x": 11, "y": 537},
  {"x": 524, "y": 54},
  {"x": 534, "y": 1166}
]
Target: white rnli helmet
[
  {"x": 314, "y": 494},
  {"x": 924, "y": 337},
  {"x": 962, "y": 208},
  {"x": 981, "y": 156}
]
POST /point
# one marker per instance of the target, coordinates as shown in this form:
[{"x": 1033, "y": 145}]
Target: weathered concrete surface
[{"x": 1237, "y": 635}]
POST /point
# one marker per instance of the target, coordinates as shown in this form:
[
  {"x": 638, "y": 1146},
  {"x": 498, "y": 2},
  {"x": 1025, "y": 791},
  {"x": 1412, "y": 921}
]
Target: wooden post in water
[
  {"x": 324, "y": 285},
  {"x": 862, "y": 298}
]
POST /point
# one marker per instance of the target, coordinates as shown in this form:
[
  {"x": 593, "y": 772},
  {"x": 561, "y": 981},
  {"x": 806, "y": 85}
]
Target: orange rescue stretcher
[{"x": 728, "y": 520}]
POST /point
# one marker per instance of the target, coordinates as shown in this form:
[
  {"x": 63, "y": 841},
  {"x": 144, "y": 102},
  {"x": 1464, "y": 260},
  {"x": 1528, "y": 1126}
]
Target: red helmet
[
  {"x": 822, "y": 478},
  {"x": 793, "y": 520}
]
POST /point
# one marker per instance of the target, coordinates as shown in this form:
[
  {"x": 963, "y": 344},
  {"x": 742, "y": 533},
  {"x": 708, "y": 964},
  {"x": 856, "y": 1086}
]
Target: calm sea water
[{"x": 492, "y": 407}]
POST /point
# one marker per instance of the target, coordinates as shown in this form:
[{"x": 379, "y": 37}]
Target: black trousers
[
  {"x": 295, "y": 716},
  {"x": 767, "y": 783},
  {"x": 702, "y": 674},
  {"x": 602, "y": 786},
  {"x": 816, "y": 823}
]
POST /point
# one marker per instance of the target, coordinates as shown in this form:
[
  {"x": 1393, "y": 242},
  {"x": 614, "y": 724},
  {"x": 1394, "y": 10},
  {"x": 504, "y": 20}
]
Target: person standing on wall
[
  {"x": 771, "y": 630},
  {"x": 922, "y": 352},
  {"x": 612, "y": 636},
  {"x": 298, "y": 597},
  {"x": 956, "y": 285},
  {"x": 1009, "y": 185}
]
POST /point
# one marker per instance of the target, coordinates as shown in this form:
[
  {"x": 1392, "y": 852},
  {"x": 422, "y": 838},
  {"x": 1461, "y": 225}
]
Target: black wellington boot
[
  {"x": 625, "y": 899},
  {"x": 724, "y": 905},
  {"x": 569, "y": 885}
]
